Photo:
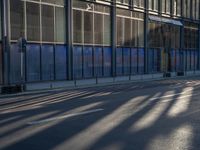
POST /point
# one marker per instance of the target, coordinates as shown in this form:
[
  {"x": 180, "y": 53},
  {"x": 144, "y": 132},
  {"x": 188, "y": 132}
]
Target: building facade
[{"x": 69, "y": 40}]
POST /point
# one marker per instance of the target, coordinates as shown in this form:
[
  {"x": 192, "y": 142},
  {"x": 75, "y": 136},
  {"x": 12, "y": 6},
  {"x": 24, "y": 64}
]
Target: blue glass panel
[
  {"x": 33, "y": 62},
  {"x": 150, "y": 60},
  {"x": 15, "y": 64},
  {"x": 107, "y": 53},
  {"x": 1, "y": 65},
  {"x": 134, "y": 61},
  {"x": 88, "y": 63},
  {"x": 47, "y": 62},
  {"x": 172, "y": 59},
  {"x": 196, "y": 59},
  {"x": 119, "y": 62},
  {"x": 188, "y": 57},
  {"x": 126, "y": 59},
  {"x": 61, "y": 62},
  {"x": 178, "y": 60},
  {"x": 157, "y": 60},
  {"x": 98, "y": 62},
  {"x": 192, "y": 59},
  {"x": 141, "y": 61},
  {"x": 77, "y": 62}
]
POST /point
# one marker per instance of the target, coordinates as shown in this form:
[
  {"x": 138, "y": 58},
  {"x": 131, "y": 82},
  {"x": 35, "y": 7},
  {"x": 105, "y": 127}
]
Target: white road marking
[{"x": 64, "y": 117}]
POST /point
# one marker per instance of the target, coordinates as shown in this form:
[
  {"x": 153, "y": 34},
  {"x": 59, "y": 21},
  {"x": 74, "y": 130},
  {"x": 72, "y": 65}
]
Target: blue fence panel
[
  {"x": 98, "y": 62},
  {"x": 178, "y": 63},
  {"x": 151, "y": 60},
  {"x": 126, "y": 59},
  {"x": 134, "y": 61},
  {"x": 88, "y": 62},
  {"x": 172, "y": 59},
  {"x": 33, "y": 62},
  {"x": 180, "y": 60},
  {"x": 188, "y": 57},
  {"x": 192, "y": 59},
  {"x": 157, "y": 60},
  {"x": 77, "y": 62},
  {"x": 119, "y": 62},
  {"x": 61, "y": 62},
  {"x": 1, "y": 65},
  {"x": 196, "y": 59},
  {"x": 15, "y": 64},
  {"x": 47, "y": 62},
  {"x": 107, "y": 55},
  {"x": 141, "y": 61}
]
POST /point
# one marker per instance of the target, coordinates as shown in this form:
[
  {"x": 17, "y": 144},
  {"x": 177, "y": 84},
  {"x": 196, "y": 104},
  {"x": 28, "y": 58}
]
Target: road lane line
[{"x": 64, "y": 116}]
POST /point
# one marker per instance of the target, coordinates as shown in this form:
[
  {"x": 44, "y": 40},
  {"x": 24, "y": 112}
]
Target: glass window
[
  {"x": 91, "y": 24},
  {"x": 60, "y": 31},
  {"x": 127, "y": 32},
  {"x": 77, "y": 26},
  {"x": 17, "y": 19},
  {"x": 140, "y": 33},
  {"x": 197, "y": 9},
  {"x": 57, "y": 2},
  {"x": 120, "y": 30},
  {"x": 33, "y": 21},
  {"x": 168, "y": 2},
  {"x": 153, "y": 5},
  {"x": 47, "y": 23},
  {"x": 107, "y": 30},
  {"x": 98, "y": 28},
  {"x": 134, "y": 33},
  {"x": 163, "y": 6},
  {"x": 88, "y": 27}
]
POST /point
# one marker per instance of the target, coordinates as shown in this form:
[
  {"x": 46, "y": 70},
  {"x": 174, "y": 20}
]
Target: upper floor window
[
  {"x": 91, "y": 24},
  {"x": 153, "y": 5},
  {"x": 38, "y": 21},
  {"x": 139, "y": 3},
  {"x": 166, "y": 6}
]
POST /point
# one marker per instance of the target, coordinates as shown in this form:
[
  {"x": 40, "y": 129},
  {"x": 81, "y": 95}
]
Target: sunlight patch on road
[
  {"x": 93, "y": 133},
  {"x": 150, "y": 118},
  {"x": 25, "y": 131},
  {"x": 182, "y": 103},
  {"x": 181, "y": 139},
  {"x": 97, "y": 95}
]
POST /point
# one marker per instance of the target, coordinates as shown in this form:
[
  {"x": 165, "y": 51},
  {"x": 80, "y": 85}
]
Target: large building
[{"x": 50, "y": 41}]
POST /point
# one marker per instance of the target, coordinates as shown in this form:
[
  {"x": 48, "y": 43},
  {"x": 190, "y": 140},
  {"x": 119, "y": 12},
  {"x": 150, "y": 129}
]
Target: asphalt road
[{"x": 157, "y": 115}]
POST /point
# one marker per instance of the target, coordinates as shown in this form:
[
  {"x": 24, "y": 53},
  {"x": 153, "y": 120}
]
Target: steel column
[
  {"x": 113, "y": 37},
  {"x": 6, "y": 42},
  {"x": 68, "y": 12},
  {"x": 146, "y": 22}
]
